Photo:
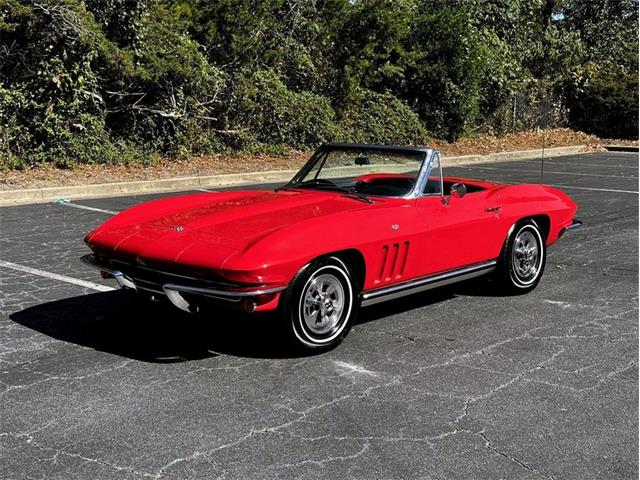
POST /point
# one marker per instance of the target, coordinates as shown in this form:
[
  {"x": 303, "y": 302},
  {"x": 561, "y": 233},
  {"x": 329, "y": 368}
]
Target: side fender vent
[{"x": 394, "y": 261}]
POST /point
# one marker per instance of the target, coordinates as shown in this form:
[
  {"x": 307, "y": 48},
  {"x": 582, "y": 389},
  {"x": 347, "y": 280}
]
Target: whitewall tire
[{"x": 321, "y": 303}]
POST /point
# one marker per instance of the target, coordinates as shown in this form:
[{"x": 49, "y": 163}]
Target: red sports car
[{"x": 357, "y": 225}]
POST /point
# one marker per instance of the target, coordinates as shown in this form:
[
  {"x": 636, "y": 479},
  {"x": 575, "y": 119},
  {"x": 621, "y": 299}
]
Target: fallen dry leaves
[{"x": 48, "y": 176}]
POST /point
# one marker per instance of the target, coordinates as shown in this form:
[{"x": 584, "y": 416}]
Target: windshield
[{"x": 361, "y": 170}]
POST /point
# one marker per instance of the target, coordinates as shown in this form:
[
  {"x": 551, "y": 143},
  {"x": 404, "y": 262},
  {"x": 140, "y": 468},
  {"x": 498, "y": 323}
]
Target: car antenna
[{"x": 544, "y": 141}]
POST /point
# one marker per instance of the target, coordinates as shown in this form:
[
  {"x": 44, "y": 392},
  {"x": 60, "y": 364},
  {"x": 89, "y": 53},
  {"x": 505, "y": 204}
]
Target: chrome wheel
[
  {"x": 526, "y": 256},
  {"x": 323, "y": 304},
  {"x": 522, "y": 260}
]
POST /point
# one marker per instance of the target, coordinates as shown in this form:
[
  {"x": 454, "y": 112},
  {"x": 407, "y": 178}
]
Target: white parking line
[
  {"x": 549, "y": 172},
  {"x": 595, "y": 189},
  {"x": 55, "y": 276},
  {"x": 580, "y": 164},
  {"x": 68, "y": 203}
]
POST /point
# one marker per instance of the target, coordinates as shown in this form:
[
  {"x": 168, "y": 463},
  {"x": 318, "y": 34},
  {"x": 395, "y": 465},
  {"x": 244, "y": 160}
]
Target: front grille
[{"x": 151, "y": 278}]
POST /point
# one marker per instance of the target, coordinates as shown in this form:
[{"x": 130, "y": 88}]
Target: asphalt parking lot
[{"x": 456, "y": 383}]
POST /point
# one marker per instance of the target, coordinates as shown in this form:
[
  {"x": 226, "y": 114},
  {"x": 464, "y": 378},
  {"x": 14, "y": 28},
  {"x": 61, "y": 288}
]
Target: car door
[{"x": 457, "y": 231}]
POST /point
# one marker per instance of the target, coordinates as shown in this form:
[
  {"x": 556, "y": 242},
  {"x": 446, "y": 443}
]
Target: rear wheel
[
  {"x": 321, "y": 304},
  {"x": 523, "y": 258}
]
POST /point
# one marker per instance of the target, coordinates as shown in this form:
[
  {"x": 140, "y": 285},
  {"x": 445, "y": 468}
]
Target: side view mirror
[{"x": 458, "y": 190}]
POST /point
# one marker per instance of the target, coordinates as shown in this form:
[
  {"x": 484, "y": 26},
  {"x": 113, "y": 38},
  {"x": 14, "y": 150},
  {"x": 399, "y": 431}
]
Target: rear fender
[{"x": 532, "y": 200}]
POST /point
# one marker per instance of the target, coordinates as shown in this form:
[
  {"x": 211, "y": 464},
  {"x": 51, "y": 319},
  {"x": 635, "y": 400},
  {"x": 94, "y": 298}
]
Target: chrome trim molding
[
  {"x": 420, "y": 191},
  {"x": 423, "y": 174},
  {"x": 178, "y": 300},
  {"x": 123, "y": 282},
  {"x": 230, "y": 296},
  {"x": 174, "y": 294},
  {"x": 426, "y": 283},
  {"x": 174, "y": 291},
  {"x": 576, "y": 224}
]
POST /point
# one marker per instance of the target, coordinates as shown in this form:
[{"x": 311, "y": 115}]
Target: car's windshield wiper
[
  {"x": 309, "y": 183},
  {"x": 284, "y": 187},
  {"x": 357, "y": 196},
  {"x": 315, "y": 183},
  {"x": 320, "y": 183},
  {"x": 346, "y": 192}
]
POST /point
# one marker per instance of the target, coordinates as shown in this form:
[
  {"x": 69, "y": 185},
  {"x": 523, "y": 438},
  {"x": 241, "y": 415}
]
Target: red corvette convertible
[{"x": 357, "y": 225}]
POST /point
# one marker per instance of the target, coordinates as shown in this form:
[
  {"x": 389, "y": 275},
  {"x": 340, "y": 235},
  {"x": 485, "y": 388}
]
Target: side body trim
[
  {"x": 372, "y": 297},
  {"x": 231, "y": 296}
]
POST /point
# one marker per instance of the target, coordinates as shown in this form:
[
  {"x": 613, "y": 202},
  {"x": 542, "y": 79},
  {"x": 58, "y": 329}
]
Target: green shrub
[
  {"x": 169, "y": 92},
  {"x": 51, "y": 112},
  {"x": 604, "y": 101},
  {"x": 276, "y": 115},
  {"x": 105, "y": 81},
  {"x": 380, "y": 118},
  {"x": 446, "y": 67},
  {"x": 13, "y": 134}
]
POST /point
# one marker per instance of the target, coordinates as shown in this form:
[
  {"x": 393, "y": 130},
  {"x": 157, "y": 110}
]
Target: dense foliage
[{"x": 121, "y": 80}]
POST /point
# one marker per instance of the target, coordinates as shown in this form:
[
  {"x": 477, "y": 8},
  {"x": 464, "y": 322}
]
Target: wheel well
[
  {"x": 544, "y": 222},
  {"x": 355, "y": 260}
]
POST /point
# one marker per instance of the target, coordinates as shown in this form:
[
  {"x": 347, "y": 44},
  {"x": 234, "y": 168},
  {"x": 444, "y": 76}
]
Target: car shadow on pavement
[
  {"x": 117, "y": 322},
  {"x": 120, "y": 323},
  {"x": 477, "y": 287},
  {"x": 404, "y": 304}
]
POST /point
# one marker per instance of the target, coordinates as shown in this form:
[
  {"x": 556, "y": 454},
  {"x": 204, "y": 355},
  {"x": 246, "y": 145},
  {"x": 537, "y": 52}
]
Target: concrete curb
[
  {"x": 515, "y": 155},
  {"x": 41, "y": 195},
  {"x": 621, "y": 148}
]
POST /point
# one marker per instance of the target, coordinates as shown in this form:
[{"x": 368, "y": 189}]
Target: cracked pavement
[{"x": 453, "y": 383}]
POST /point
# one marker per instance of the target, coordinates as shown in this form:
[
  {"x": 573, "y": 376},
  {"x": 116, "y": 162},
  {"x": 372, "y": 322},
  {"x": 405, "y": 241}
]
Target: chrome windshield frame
[
  {"x": 418, "y": 186},
  {"x": 423, "y": 175}
]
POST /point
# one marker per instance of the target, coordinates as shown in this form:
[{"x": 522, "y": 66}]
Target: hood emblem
[
  {"x": 395, "y": 226},
  {"x": 178, "y": 228}
]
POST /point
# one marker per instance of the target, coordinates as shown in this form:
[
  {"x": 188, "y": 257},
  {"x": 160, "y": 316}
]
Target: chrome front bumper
[
  {"x": 573, "y": 226},
  {"x": 175, "y": 292}
]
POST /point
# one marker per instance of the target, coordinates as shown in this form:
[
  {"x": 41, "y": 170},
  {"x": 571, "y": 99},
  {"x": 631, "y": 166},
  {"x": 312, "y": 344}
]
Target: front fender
[{"x": 277, "y": 257}]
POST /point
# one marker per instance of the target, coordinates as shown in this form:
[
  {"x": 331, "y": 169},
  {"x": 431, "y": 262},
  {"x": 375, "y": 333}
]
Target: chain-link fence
[{"x": 535, "y": 106}]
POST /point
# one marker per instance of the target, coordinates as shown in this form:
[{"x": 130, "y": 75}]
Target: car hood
[{"x": 184, "y": 227}]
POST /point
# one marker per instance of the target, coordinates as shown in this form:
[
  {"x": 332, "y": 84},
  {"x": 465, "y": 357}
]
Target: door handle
[{"x": 493, "y": 209}]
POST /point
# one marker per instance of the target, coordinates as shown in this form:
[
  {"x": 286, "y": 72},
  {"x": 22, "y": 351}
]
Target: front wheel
[
  {"x": 321, "y": 304},
  {"x": 523, "y": 258}
]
